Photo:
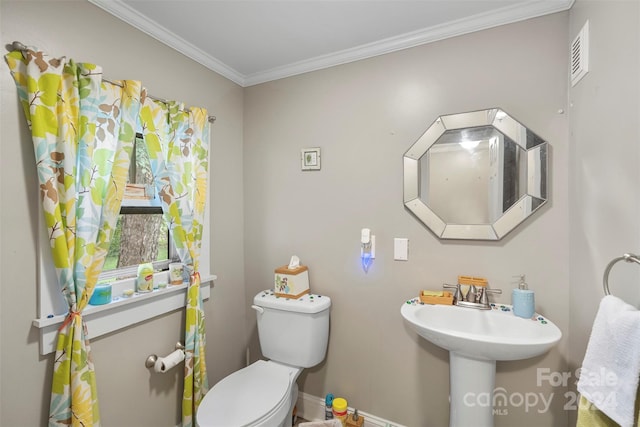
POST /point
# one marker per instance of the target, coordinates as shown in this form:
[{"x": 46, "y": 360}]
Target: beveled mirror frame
[{"x": 535, "y": 194}]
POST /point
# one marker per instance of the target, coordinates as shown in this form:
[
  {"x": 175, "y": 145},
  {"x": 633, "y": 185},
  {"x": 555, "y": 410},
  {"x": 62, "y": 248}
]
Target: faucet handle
[
  {"x": 483, "y": 299},
  {"x": 472, "y": 294},
  {"x": 457, "y": 295}
]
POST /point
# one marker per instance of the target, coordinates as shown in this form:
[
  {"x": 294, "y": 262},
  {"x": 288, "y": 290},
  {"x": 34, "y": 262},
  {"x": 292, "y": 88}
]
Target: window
[
  {"x": 139, "y": 237},
  {"x": 140, "y": 225},
  {"x": 141, "y": 233}
]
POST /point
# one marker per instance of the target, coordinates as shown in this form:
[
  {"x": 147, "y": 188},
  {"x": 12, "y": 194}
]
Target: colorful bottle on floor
[
  {"x": 355, "y": 419},
  {"x": 340, "y": 410},
  {"x": 328, "y": 410}
]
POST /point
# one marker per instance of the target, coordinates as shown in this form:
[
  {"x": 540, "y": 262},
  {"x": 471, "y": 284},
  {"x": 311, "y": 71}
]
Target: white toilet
[{"x": 293, "y": 334}]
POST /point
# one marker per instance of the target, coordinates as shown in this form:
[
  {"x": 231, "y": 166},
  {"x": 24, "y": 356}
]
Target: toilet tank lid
[{"x": 309, "y": 303}]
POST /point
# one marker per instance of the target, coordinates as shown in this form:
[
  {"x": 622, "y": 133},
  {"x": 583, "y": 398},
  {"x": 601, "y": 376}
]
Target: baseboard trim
[{"x": 312, "y": 408}]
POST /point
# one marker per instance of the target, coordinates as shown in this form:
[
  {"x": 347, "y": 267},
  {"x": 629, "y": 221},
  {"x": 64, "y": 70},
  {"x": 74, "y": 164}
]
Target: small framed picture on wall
[{"x": 310, "y": 159}]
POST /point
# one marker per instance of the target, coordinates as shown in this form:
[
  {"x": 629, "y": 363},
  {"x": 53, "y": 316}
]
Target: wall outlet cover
[{"x": 400, "y": 249}]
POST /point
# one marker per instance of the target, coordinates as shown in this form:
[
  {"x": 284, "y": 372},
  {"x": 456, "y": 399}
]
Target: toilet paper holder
[{"x": 151, "y": 360}]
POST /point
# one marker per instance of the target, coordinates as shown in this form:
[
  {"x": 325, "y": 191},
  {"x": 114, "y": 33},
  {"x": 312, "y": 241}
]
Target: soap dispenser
[{"x": 523, "y": 300}]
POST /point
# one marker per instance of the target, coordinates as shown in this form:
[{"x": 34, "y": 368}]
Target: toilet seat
[{"x": 258, "y": 395}]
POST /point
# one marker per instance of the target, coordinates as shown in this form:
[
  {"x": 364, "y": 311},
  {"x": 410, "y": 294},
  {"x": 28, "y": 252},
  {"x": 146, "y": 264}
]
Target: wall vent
[{"x": 580, "y": 55}]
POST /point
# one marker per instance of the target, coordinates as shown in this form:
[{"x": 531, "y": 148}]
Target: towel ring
[{"x": 605, "y": 278}]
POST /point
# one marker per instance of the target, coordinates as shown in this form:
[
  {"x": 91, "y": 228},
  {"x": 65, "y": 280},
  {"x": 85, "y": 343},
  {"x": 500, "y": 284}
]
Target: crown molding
[
  {"x": 507, "y": 15},
  {"x": 460, "y": 27},
  {"x": 148, "y": 26}
]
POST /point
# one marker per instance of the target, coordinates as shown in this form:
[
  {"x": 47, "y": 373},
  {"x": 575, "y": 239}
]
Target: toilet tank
[{"x": 293, "y": 331}]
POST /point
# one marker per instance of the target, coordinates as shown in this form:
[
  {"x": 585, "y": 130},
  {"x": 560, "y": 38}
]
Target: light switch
[{"x": 400, "y": 249}]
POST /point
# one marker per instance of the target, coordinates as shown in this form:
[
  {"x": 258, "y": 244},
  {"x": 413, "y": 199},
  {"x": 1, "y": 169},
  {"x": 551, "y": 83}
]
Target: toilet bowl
[
  {"x": 293, "y": 334},
  {"x": 260, "y": 395}
]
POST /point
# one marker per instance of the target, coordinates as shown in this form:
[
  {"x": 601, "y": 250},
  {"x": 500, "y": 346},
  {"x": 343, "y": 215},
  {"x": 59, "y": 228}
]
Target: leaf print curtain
[
  {"x": 178, "y": 146},
  {"x": 82, "y": 131}
]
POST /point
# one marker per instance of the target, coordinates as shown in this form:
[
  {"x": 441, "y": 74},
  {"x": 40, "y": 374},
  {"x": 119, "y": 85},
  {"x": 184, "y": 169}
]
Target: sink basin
[
  {"x": 475, "y": 340},
  {"x": 495, "y": 334}
]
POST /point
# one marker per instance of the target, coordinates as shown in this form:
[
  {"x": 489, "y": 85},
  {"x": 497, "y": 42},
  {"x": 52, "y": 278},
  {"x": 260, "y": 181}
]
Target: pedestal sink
[{"x": 475, "y": 340}]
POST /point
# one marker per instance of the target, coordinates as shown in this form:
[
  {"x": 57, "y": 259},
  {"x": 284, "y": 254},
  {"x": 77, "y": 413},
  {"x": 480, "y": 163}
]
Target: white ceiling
[{"x": 254, "y": 41}]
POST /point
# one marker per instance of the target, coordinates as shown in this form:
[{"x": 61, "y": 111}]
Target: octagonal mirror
[{"x": 475, "y": 175}]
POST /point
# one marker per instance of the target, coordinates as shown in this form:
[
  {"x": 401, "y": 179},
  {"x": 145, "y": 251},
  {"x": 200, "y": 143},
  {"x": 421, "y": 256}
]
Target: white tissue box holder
[{"x": 291, "y": 283}]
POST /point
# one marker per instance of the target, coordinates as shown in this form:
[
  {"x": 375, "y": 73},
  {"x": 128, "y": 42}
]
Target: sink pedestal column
[{"x": 471, "y": 399}]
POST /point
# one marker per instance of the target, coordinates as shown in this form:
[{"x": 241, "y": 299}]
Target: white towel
[{"x": 611, "y": 365}]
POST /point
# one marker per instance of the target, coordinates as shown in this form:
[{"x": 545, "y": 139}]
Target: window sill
[
  {"x": 122, "y": 311},
  {"x": 148, "y": 203}
]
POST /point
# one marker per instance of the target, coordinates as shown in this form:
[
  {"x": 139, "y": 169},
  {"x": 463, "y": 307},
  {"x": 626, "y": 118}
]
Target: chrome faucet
[{"x": 476, "y": 296}]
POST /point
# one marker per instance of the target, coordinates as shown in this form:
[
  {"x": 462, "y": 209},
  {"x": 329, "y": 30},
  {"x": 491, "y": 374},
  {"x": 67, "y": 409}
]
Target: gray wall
[
  {"x": 605, "y": 154},
  {"x": 364, "y": 116},
  {"x": 129, "y": 395},
  {"x": 264, "y": 209}
]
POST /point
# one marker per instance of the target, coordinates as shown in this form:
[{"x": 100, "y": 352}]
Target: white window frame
[{"x": 122, "y": 312}]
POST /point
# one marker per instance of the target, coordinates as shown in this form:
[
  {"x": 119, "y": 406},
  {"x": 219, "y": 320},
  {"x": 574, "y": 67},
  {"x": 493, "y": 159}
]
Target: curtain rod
[
  {"x": 211, "y": 119},
  {"x": 23, "y": 48}
]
